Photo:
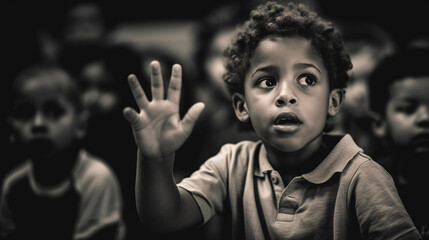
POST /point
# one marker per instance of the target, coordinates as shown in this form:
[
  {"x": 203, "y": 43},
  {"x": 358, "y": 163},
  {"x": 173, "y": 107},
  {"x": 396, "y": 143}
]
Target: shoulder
[
  {"x": 91, "y": 170},
  {"x": 90, "y": 164},
  {"x": 373, "y": 198},
  {"x": 236, "y": 153},
  {"x": 231, "y": 160},
  {"x": 367, "y": 166},
  {"x": 366, "y": 174},
  {"x": 16, "y": 175},
  {"x": 244, "y": 148}
]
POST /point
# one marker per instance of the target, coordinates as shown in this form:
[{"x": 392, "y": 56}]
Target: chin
[
  {"x": 287, "y": 146},
  {"x": 40, "y": 148}
]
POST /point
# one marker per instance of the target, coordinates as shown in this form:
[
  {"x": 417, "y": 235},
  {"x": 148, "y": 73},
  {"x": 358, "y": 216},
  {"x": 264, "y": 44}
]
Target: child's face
[
  {"x": 214, "y": 63},
  {"x": 407, "y": 114},
  {"x": 287, "y": 94},
  {"x": 44, "y": 121}
]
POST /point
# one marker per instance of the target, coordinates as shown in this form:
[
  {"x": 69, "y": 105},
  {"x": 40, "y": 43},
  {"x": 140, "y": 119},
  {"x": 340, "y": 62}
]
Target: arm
[
  {"x": 7, "y": 223},
  {"x": 158, "y": 133},
  {"x": 378, "y": 207}
]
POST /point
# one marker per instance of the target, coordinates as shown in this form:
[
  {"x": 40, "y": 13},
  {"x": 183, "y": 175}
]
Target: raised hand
[{"x": 158, "y": 129}]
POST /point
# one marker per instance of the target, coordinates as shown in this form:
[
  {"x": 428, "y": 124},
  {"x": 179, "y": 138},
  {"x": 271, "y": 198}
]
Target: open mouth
[
  {"x": 287, "y": 119},
  {"x": 288, "y": 123}
]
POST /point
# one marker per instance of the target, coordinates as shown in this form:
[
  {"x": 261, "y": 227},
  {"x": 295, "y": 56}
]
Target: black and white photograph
[{"x": 215, "y": 120}]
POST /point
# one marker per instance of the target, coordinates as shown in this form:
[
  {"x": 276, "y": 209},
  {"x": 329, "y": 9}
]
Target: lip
[{"x": 287, "y": 122}]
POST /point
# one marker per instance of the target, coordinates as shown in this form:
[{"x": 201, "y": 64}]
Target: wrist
[{"x": 161, "y": 160}]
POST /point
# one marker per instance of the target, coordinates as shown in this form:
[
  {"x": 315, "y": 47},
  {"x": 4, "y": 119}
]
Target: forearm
[
  {"x": 156, "y": 193},
  {"x": 159, "y": 203}
]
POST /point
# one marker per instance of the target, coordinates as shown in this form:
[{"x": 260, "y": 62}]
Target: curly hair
[{"x": 272, "y": 18}]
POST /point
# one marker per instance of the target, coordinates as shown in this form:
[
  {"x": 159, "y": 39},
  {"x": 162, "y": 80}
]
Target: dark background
[
  {"x": 20, "y": 19},
  {"x": 404, "y": 19}
]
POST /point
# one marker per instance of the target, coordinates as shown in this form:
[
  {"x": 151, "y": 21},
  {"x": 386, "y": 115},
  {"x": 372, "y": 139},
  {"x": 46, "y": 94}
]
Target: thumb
[
  {"x": 131, "y": 115},
  {"x": 191, "y": 117}
]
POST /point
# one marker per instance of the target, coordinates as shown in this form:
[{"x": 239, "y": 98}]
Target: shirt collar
[
  {"x": 342, "y": 152},
  {"x": 263, "y": 165},
  {"x": 336, "y": 160}
]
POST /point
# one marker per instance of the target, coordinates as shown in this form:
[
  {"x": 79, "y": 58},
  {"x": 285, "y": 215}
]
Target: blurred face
[
  {"x": 407, "y": 115},
  {"x": 99, "y": 94},
  {"x": 215, "y": 62},
  {"x": 287, "y": 94},
  {"x": 44, "y": 121},
  {"x": 356, "y": 99},
  {"x": 84, "y": 23}
]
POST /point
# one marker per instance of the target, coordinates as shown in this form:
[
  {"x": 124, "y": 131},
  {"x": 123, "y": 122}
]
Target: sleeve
[
  {"x": 377, "y": 205},
  {"x": 101, "y": 204},
  {"x": 208, "y": 185}
]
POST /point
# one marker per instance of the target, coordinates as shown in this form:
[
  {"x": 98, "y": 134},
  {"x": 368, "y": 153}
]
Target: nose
[
  {"x": 423, "y": 117},
  {"x": 38, "y": 123},
  {"x": 285, "y": 95}
]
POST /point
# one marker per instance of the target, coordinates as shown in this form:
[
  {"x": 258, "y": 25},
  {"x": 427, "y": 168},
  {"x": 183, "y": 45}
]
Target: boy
[
  {"x": 61, "y": 191},
  {"x": 286, "y": 73},
  {"x": 399, "y": 102}
]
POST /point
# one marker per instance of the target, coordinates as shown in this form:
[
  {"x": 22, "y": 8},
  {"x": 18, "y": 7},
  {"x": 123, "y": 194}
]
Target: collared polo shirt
[{"x": 347, "y": 196}]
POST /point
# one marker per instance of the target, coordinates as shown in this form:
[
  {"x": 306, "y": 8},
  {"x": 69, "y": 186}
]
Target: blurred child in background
[
  {"x": 61, "y": 191},
  {"x": 367, "y": 45},
  {"x": 399, "y": 103}
]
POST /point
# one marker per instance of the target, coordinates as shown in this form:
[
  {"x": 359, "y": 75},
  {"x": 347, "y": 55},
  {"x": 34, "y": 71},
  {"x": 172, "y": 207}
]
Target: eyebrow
[
  {"x": 307, "y": 65},
  {"x": 297, "y": 66},
  {"x": 408, "y": 99},
  {"x": 263, "y": 69}
]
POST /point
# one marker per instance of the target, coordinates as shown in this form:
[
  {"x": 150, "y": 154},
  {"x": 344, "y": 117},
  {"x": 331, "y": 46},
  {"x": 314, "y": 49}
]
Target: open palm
[{"x": 158, "y": 129}]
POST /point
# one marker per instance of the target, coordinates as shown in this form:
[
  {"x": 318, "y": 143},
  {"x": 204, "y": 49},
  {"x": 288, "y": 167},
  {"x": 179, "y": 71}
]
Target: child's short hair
[
  {"x": 292, "y": 20},
  {"x": 50, "y": 72},
  {"x": 411, "y": 62}
]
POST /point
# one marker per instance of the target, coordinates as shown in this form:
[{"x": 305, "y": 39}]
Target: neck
[
  {"x": 300, "y": 162},
  {"x": 55, "y": 169}
]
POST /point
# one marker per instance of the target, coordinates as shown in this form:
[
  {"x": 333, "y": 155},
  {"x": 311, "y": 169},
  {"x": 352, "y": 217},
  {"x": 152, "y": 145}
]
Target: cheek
[
  {"x": 317, "y": 118},
  {"x": 22, "y": 131},
  {"x": 399, "y": 128},
  {"x": 316, "y": 112},
  {"x": 64, "y": 131},
  {"x": 256, "y": 107}
]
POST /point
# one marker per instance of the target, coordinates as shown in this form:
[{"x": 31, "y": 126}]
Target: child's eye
[
  {"x": 307, "y": 79},
  {"x": 407, "y": 108},
  {"x": 266, "y": 82},
  {"x": 24, "y": 111},
  {"x": 53, "y": 110}
]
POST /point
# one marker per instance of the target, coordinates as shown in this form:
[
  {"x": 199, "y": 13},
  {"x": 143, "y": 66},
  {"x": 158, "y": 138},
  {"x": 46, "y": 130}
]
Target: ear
[
  {"x": 83, "y": 124},
  {"x": 240, "y": 107},
  {"x": 336, "y": 98},
  {"x": 378, "y": 124}
]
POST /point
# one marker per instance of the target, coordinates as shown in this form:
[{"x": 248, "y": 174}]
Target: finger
[
  {"x": 131, "y": 115},
  {"x": 175, "y": 84},
  {"x": 156, "y": 79},
  {"x": 136, "y": 120},
  {"x": 191, "y": 117},
  {"x": 137, "y": 91}
]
